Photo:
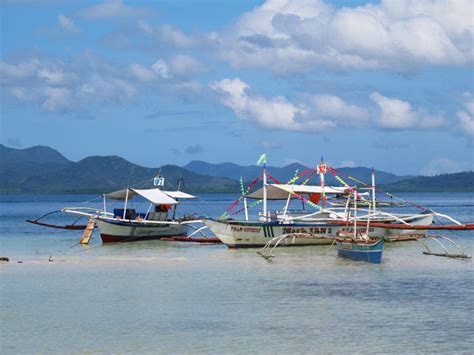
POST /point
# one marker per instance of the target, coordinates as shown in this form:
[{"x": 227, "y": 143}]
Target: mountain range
[{"x": 43, "y": 169}]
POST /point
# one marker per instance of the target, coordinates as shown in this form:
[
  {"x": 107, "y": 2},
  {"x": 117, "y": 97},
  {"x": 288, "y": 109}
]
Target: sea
[{"x": 58, "y": 296}]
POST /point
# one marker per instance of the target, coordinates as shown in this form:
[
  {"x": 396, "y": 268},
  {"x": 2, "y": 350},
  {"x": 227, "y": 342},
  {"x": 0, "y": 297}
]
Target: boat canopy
[
  {"x": 281, "y": 191},
  {"x": 179, "y": 194},
  {"x": 155, "y": 196}
]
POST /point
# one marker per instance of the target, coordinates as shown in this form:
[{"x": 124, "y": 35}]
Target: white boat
[
  {"x": 126, "y": 225},
  {"x": 310, "y": 228}
]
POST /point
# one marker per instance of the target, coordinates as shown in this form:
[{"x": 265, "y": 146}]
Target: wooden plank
[{"x": 88, "y": 232}]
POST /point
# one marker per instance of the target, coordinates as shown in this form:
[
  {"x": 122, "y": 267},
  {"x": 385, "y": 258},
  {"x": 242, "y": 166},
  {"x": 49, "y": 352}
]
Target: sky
[{"x": 387, "y": 84}]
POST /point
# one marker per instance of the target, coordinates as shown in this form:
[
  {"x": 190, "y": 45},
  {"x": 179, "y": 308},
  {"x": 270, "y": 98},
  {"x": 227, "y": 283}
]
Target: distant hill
[
  {"x": 234, "y": 171},
  {"x": 463, "y": 182},
  {"x": 43, "y": 170},
  {"x": 95, "y": 175},
  {"x": 38, "y": 154}
]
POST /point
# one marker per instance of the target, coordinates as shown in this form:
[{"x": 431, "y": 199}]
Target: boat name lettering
[
  {"x": 308, "y": 230},
  {"x": 246, "y": 229}
]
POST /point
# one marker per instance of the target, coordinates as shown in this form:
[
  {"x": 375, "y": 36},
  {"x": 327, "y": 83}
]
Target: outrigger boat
[
  {"x": 359, "y": 246},
  {"x": 127, "y": 225},
  {"x": 321, "y": 227}
]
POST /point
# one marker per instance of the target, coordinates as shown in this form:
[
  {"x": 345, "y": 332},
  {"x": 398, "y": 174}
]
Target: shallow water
[{"x": 170, "y": 297}]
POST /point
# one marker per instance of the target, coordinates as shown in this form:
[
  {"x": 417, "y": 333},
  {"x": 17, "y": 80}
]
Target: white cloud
[
  {"x": 22, "y": 70},
  {"x": 321, "y": 112},
  {"x": 399, "y": 114},
  {"x": 297, "y": 36},
  {"x": 142, "y": 73},
  {"x": 51, "y": 84},
  {"x": 446, "y": 166},
  {"x": 112, "y": 9},
  {"x": 334, "y": 107},
  {"x": 67, "y": 24},
  {"x": 161, "y": 68},
  {"x": 56, "y": 99},
  {"x": 145, "y": 27},
  {"x": 54, "y": 76},
  {"x": 276, "y": 112},
  {"x": 182, "y": 65},
  {"x": 172, "y": 35},
  {"x": 88, "y": 82}
]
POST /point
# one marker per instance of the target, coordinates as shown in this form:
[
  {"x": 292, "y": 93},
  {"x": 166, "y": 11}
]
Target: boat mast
[
  {"x": 355, "y": 214},
  {"x": 125, "y": 207},
  {"x": 322, "y": 170},
  {"x": 263, "y": 160},
  {"x": 373, "y": 189},
  {"x": 246, "y": 209},
  {"x": 265, "y": 191}
]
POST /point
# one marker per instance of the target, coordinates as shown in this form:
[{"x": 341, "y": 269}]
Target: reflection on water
[{"x": 178, "y": 297}]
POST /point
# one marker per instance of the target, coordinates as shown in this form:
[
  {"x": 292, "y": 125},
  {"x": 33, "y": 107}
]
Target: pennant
[{"x": 262, "y": 159}]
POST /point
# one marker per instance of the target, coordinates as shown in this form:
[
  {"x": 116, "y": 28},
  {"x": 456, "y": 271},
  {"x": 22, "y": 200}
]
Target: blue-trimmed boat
[{"x": 369, "y": 250}]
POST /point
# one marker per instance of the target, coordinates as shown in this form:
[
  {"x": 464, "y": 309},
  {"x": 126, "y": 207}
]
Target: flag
[{"x": 262, "y": 159}]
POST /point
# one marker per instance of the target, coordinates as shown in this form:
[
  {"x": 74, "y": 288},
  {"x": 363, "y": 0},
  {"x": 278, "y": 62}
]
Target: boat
[
  {"x": 317, "y": 227},
  {"x": 369, "y": 250},
  {"x": 357, "y": 245},
  {"x": 127, "y": 225},
  {"x": 322, "y": 224}
]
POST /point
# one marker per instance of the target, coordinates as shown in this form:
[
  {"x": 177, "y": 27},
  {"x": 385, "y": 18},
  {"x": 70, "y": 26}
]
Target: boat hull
[
  {"x": 368, "y": 252},
  {"x": 253, "y": 234},
  {"x": 119, "y": 231}
]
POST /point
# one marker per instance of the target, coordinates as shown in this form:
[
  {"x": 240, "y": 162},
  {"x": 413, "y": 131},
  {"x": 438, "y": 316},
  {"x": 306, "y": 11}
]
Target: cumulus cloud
[
  {"x": 162, "y": 69},
  {"x": 184, "y": 65},
  {"x": 180, "y": 65},
  {"x": 174, "y": 36},
  {"x": 56, "y": 99},
  {"x": 398, "y": 114},
  {"x": 319, "y": 113},
  {"x": 332, "y": 106},
  {"x": 142, "y": 73},
  {"x": 276, "y": 112},
  {"x": 297, "y": 36},
  {"x": 112, "y": 9},
  {"x": 67, "y": 24},
  {"x": 168, "y": 34},
  {"x": 88, "y": 82},
  {"x": 51, "y": 84}
]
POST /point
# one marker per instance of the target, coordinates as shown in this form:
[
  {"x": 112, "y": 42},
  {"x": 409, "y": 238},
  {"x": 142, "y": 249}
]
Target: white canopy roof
[
  {"x": 178, "y": 194},
  {"x": 155, "y": 196},
  {"x": 281, "y": 191}
]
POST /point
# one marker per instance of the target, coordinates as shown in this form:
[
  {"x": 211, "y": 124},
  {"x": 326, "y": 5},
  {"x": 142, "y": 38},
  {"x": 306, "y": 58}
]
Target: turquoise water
[{"x": 169, "y": 297}]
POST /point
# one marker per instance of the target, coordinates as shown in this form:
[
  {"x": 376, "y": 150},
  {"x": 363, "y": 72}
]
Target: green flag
[{"x": 262, "y": 159}]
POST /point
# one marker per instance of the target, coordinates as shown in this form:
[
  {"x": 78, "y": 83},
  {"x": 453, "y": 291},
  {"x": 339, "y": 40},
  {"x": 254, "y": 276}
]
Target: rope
[
  {"x": 226, "y": 213},
  {"x": 383, "y": 191},
  {"x": 310, "y": 203}
]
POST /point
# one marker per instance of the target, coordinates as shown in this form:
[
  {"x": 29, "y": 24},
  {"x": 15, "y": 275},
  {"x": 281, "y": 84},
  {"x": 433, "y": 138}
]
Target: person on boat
[{"x": 162, "y": 208}]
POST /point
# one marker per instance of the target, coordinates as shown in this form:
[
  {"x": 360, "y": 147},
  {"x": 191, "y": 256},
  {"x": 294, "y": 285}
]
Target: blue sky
[{"x": 387, "y": 84}]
